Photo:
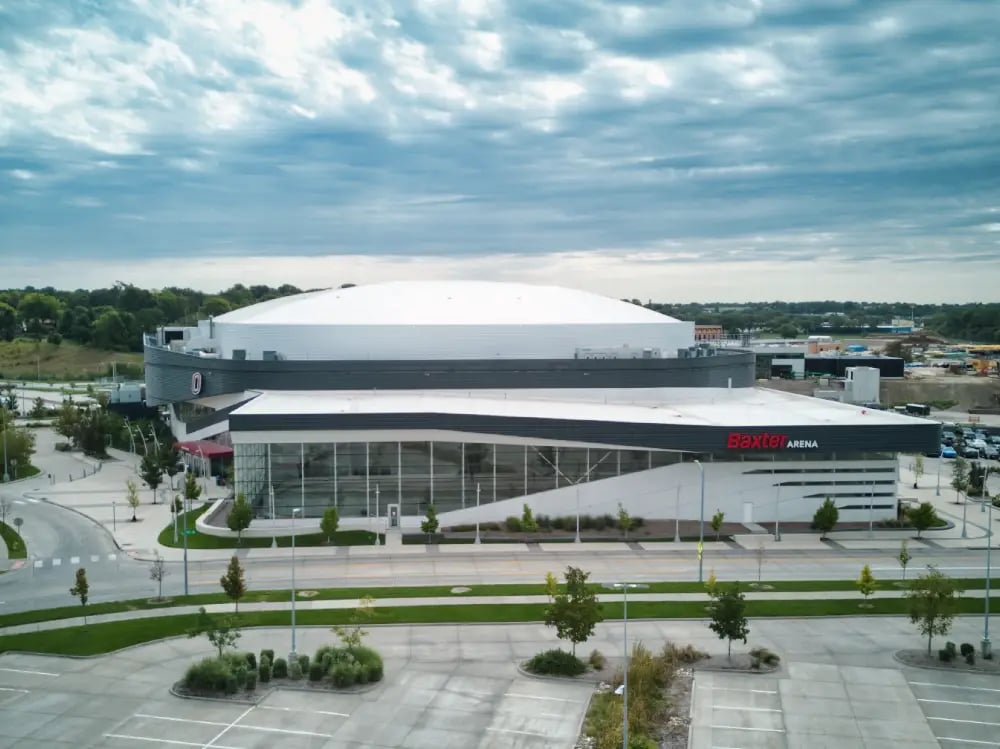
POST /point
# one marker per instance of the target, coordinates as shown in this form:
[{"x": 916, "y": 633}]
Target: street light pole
[
  {"x": 624, "y": 588},
  {"x": 701, "y": 524},
  {"x": 184, "y": 533},
  {"x": 965, "y": 509},
  {"x": 478, "y": 540},
  {"x": 378, "y": 521},
  {"x": 777, "y": 500},
  {"x": 577, "y": 539},
  {"x": 6, "y": 471},
  {"x": 292, "y": 655},
  {"x": 677, "y": 517},
  {"x": 987, "y": 646},
  {"x": 937, "y": 490}
]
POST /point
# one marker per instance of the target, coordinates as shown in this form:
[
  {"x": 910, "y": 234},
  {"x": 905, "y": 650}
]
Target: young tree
[
  {"x": 429, "y": 524},
  {"x": 760, "y": 553},
  {"x": 866, "y": 583},
  {"x": 825, "y": 518},
  {"x": 933, "y": 599},
  {"x": 729, "y": 619},
  {"x": 233, "y": 583},
  {"x": 328, "y": 524},
  {"x": 81, "y": 590},
  {"x": 222, "y": 633},
  {"x": 38, "y": 409},
  {"x": 6, "y": 505},
  {"x": 922, "y": 517},
  {"x": 528, "y": 522},
  {"x": 716, "y": 523},
  {"x": 576, "y": 612},
  {"x": 918, "y": 469},
  {"x": 192, "y": 490},
  {"x": 959, "y": 477},
  {"x": 551, "y": 586},
  {"x": 170, "y": 460},
  {"x": 712, "y": 584},
  {"x": 240, "y": 517},
  {"x": 132, "y": 497},
  {"x": 904, "y": 556},
  {"x": 151, "y": 472},
  {"x": 624, "y": 520},
  {"x": 353, "y": 634},
  {"x": 157, "y": 571}
]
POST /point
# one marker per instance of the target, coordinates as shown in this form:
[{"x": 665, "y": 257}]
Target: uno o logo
[{"x": 195, "y": 383}]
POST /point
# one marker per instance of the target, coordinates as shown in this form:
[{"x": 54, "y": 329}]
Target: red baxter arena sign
[{"x": 766, "y": 441}]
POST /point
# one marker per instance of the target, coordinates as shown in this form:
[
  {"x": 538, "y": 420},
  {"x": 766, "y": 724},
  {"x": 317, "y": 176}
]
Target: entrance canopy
[{"x": 205, "y": 448}]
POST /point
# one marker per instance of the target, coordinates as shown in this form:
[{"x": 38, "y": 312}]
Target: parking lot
[
  {"x": 962, "y": 710},
  {"x": 430, "y": 698}
]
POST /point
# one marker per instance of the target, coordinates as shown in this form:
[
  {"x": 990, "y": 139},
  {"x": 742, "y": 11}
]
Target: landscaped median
[
  {"x": 15, "y": 544},
  {"x": 104, "y": 637}
]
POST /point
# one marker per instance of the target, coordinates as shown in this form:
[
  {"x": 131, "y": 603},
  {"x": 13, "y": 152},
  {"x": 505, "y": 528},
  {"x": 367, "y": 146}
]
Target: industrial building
[{"x": 480, "y": 397}]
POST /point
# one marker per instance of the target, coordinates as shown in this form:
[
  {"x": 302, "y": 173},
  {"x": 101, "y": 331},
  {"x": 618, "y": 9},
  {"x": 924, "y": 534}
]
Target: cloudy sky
[{"x": 689, "y": 150}]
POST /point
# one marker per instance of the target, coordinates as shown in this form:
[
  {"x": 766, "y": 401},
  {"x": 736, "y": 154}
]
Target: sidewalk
[{"x": 458, "y": 600}]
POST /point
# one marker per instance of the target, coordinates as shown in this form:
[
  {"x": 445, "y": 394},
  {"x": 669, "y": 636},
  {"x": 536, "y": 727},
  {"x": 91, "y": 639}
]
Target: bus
[{"x": 918, "y": 409}]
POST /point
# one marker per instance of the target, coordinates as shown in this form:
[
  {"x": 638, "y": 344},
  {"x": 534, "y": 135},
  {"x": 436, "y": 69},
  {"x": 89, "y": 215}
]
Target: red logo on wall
[
  {"x": 764, "y": 441},
  {"x": 195, "y": 383}
]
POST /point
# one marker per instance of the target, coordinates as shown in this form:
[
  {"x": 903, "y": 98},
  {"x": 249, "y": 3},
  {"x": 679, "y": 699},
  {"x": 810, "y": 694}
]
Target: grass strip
[
  {"x": 422, "y": 591},
  {"x": 95, "y": 639},
  {"x": 198, "y": 540},
  {"x": 15, "y": 544}
]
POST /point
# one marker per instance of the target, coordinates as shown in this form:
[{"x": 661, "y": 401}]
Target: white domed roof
[{"x": 406, "y": 303}]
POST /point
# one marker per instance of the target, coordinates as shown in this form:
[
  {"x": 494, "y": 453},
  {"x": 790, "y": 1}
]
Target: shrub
[
  {"x": 315, "y": 671},
  {"x": 586, "y": 522},
  {"x": 681, "y": 654},
  {"x": 555, "y": 663},
  {"x": 269, "y": 654},
  {"x": 597, "y": 660},
  {"x": 344, "y": 673},
  {"x": 967, "y": 649},
  {"x": 763, "y": 656},
  {"x": 304, "y": 663},
  {"x": 251, "y": 660},
  {"x": 601, "y": 522},
  {"x": 264, "y": 671},
  {"x": 638, "y": 522},
  {"x": 944, "y": 655},
  {"x": 544, "y": 522},
  {"x": 559, "y": 523},
  {"x": 971, "y": 658},
  {"x": 63, "y": 447},
  {"x": 295, "y": 670},
  {"x": 280, "y": 668},
  {"x": 513, "y": 524},
  {"x": 211, "y": 675},
  {"x": 251, "y": 682}
]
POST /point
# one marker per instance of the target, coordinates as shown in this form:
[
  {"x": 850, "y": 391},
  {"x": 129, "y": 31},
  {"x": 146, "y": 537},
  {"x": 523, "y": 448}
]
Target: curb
[
  {"x": 963, "y": 669},
  {"x": 84, "y": 515}
]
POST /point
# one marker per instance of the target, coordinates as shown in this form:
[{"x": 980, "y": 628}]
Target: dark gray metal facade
[
  {"x": 170, "y": 375},
  {"x": 918, "y": 437}
]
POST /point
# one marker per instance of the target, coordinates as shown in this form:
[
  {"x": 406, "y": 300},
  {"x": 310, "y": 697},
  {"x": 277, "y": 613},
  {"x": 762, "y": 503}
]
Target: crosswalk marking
[
  {"x": 74, "y": 560},
  {"x": 56, "y": 562},
  {"x": 39, "y": 562},
  {"x": 95, "y": 558}
]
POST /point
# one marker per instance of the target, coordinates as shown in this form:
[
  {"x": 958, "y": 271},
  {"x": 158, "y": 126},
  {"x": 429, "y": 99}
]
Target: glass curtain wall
[{"x": 362, "y": 478}]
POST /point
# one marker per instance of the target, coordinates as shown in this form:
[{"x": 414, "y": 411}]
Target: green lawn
[
  {"x": 102, "y": 638},
  {"x": 15, "y": 544},
  {"x": 424, "y": 591},
  {"x": 202, "y": 541}
]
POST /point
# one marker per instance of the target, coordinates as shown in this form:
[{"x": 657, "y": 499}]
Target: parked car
[
  {"x": 947, "y": 451},
  {"x": 968, "y": 451},
  {"x": 990, "y": 451}
]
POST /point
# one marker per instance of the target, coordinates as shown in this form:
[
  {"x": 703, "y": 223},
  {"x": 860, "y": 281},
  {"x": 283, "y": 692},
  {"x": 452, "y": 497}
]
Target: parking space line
[
  {"x": 173, "y": 742},
  {"x": 289, "y": 731},
  {"x": 747, "y": 728},
  {"x": 225, "y": 730},
  {"x": 301, "y": 710},
  {"x": 541, "y": 697},
  {"x": 951, "y": 686},
  {"x": 26, "y": 671},
  {"x": 953, "y": 702},
  {"x": 181, "y": 720},
  {"x": 14, "y": 689},
  {"x": 519, "y": 733},
  {"x": 967, "y": 741},
  {"x": 748, "y": 709},
  {"x": 971, "y": 722},
  {"x": 737, "y": 689}
]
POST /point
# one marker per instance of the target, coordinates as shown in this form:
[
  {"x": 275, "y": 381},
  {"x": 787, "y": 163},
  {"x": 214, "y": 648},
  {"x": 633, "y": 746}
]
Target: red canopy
[{"x": 206, "y": 448}]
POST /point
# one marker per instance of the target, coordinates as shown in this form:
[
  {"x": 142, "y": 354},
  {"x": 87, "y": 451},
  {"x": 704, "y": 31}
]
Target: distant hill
[{"x": 66, "y": 361}]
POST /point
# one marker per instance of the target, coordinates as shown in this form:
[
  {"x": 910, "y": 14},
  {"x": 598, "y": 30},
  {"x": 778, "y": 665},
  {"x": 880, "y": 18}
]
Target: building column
[
  {"x": 302, "y": 477},
  {"x": 494, "y": 473},
  {"x": 334, "y": 475},
  {"x": 431, "y": 458},
  {"x": 618, "y": 458},
  {"x": 368, "y": 484},
  {"x": 588, "y": 466},
  {"x": 399, "y": 478},
  {"x": 525, "y": 470},
  {"x": 557, "y": 467},
  {"x": 463, "y": 475}
]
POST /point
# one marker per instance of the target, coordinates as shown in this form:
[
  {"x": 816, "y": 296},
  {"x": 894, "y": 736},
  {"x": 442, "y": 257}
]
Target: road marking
[
  {"x": 967, "y": 741},
  {"x": 519, "y": 733},
  {"x": 750, "y": 709},
  {"x": 173, "y": 742},
  {"x": 972, "y": 722},
  {"x": 56, "y": 562},
  {"x": 74, "y": 560},
  {"x": 952, "y": 702},
  {"x": 25, "y": 671},
  {"x": 39, "y": 563},
  {"x": 300, "y": 710},
  {"x": 18, "y": 502},
  {"x": 95, "y": 558},
  {"x": 147, "y": 716},
  {"x": 736, "y": 689},
  {"x": 747, "y": 728},
  {"x": 951, "y": 686},
  {"x": 112, "y": 557},
  {"x": 540, "y": 697},
  {"x": 13, "y": 689},
  {"x": 225, "y": 730}
]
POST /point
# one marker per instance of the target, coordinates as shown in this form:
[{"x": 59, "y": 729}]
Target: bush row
[
  {"x": 514, "y": 524},
  {"x": 949, "y": 652}
]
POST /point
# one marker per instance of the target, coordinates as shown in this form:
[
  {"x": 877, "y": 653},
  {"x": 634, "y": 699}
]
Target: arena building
[{"x": 480, "y": 397}]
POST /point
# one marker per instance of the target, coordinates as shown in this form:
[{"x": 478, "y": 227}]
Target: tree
[
  {"x": 918, "y": 469},
  {"x": 866, "y": 582},
  {"x": 81, "y": 590},
  {"x": 221, "y": 633},
  {"x": 170, "y": 460},
  {"x": 528, "y": 522},
  {"x": 933, "y": 599},
  {"x": 157, "y": 571},
  {"x": 240, "y": 517},
  {"x": 38, "y": 409},
  {"x": 6, "y": 505},
  {"x": 10, "y": 400},
  {"x": 716, "y": 523},
  {"x": 67, "y": 421},
  {"x": 959, "y": 477},
  {"x": 329, "y": 523},
  {"x": 624, "y": 520},
  {"x": 353, "y": 634},
  {"x": 729, "y": 619},
  {"x": 39, "y": 313},
  {"x": 922, "y": 517},
  {"x": 575, "y": 612},
  {"x": 430, "y": 524},
  {"x": 712, "y": 584},
  {"x": 8, "y": 322},
  {"x": 760, "y": 553},
  {"x": 904, "y": 556},
  {"x": 151, "y": 472},
  {"x": 233, "y": 583},
  {"x": 192, "y": 490},
  {"x": 132, "y": 497},
  {"x": 551, "y": 586},
  {"x": 825, "y": 518},
  {"x": 975, "y": 486}
]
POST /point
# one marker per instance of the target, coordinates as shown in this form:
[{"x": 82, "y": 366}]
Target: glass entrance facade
[{"x": 358, "y": 477}]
